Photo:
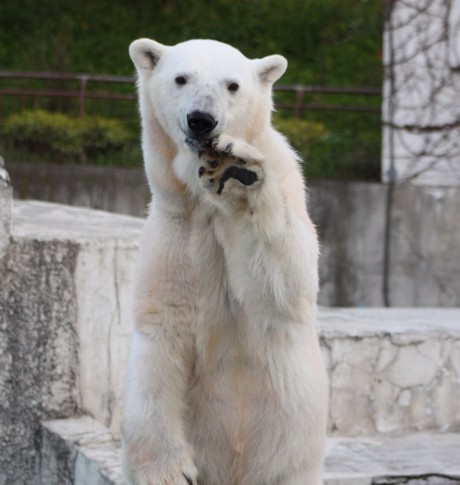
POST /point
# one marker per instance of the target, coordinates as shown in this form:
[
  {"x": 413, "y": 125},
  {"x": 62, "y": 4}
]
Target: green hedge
[
  {"x": 57, "y": 137},
  {"x": 332, "y": 150},
  {"x": 302, "y": 134}
]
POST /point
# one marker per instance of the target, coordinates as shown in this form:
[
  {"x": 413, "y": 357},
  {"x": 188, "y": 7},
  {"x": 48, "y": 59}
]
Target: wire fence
[{"x": 82, "y": 94}]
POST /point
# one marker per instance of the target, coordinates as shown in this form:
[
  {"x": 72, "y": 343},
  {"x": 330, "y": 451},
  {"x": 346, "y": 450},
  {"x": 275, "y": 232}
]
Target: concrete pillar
[
  {"x": 421, "y": 92},
  {"x": 6, "y": 198}
]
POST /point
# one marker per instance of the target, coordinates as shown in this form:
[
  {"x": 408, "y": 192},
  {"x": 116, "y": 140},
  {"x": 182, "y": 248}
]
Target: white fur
[{"x": 225, "y": 381}]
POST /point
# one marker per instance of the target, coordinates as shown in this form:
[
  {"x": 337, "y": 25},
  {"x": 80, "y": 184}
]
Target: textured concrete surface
[
  {"x": 392, "y": 370},
  {"x": 425, "y": 254},
  {"x": 64, "y": 324},
  {"x": 106, "y": 250},
  {"x": 422, "y": 458}
]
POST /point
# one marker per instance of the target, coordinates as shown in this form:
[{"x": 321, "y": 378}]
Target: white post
[
  {"x": 421, "y": 104},
  {"x": 6, "y": 197}
]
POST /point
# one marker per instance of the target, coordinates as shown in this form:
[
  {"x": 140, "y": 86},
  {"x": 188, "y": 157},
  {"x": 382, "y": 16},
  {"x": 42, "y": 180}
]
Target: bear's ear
[
  {"x": 271, "y": 68},
  {"x": 145, "y": 53}
]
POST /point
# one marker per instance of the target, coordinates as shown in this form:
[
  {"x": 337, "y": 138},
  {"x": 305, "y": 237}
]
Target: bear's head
[{"x": 200, "y": 89}]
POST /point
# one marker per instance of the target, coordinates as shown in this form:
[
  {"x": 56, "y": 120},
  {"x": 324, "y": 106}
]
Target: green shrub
[
  {"x": 335, "y": 150},
  {"x": 57, "y": 137},
  {"x": 302, "y": 134},
  {"x": 102, "y": 135}
]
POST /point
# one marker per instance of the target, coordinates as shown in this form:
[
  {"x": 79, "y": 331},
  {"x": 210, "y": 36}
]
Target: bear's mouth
[{"x": 198, "y": 145}]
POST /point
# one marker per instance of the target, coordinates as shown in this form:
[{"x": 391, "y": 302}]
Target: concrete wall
[
  {"x": 424, "y": 249},
  {"x": 118, "y": 190},
  {"x": 425, "y": 256}
]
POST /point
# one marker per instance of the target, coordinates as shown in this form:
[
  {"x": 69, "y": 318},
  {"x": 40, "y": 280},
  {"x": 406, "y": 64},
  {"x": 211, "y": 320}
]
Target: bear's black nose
[{"x": 200, "y": 123}]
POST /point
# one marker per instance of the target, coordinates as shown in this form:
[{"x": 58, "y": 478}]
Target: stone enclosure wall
[
  {"x": 65, "y": 322},
  {"x": 392, "y": 371}
]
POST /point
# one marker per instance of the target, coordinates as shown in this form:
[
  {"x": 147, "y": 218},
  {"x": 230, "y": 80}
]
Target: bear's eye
[
  {"x": 180, "y": 80},
  {"x": 233, "y": 87}
]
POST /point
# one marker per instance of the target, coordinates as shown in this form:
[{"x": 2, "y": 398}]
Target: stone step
[
  {"x": 81, "y": 451},
  {"x": 416, "y": 458}
]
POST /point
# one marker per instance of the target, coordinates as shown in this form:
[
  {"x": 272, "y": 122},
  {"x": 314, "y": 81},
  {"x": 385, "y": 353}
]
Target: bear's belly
[{"x": 236, "y": 424}]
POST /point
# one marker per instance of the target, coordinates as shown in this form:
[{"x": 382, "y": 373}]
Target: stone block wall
[{"x": 392, "y": 370}]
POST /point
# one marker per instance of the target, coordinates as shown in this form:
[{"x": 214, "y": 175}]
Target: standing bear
[{"x": 225, "y": 381}]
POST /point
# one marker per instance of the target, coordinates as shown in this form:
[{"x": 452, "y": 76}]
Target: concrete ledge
[
  {"x": 79, "y": 451},
  {"x": 418, "y": 458},
  {"x": 85, "y": 451},
  {"x": 45, "y": 221}
]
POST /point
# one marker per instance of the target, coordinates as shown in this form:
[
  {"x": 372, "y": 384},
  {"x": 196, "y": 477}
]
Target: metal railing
[{"x": 81, "y": 89}]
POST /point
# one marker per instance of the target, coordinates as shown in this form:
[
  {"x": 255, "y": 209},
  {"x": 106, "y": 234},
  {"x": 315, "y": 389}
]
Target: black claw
[
  {"x": 201, "y": 171},
  {"x": 189, "y": 480},
  {"x": 214, "y": 163},
  {"x": 228, "y": 150},
  {"x": 245, "y": 176}
]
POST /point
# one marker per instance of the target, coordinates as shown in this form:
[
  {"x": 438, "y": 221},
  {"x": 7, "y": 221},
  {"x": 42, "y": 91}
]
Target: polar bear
[{"x": 225, "y": 381}]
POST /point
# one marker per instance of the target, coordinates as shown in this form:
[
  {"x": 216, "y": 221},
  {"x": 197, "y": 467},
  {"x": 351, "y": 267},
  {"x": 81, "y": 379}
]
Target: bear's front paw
[
  {"x": 230, "y": 167},
  {"x": 228, "y": 146},
  {"x": 160, "y": 472},
  {"x": 154, "y": 477}
]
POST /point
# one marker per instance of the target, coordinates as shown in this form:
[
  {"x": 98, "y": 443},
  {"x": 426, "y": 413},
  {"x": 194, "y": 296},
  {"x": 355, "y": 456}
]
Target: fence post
[
  {"x": 299, "y": 93},
  {"x": 83, "y": 82}
]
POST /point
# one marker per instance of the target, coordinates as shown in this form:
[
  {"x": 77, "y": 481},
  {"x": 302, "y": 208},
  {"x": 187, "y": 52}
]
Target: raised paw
[
  {"x": 243, "y": 175},
  {"x": 230, "y": 166},
  {"x": 227, "y": 146},
  {"x": 165, "y": 471}
]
